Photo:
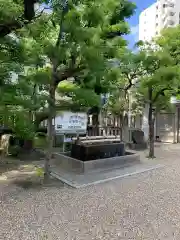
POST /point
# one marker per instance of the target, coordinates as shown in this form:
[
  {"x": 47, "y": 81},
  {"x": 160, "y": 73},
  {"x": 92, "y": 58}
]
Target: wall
[
  {"x": 165, "y": 126},
  {"x": 145, "y": 124},
  {"x": 147, "y": 23}
]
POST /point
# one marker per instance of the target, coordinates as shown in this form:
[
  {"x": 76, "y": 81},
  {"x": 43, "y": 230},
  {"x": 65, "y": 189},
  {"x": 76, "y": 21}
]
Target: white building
[{"x": 160, "y": 15}]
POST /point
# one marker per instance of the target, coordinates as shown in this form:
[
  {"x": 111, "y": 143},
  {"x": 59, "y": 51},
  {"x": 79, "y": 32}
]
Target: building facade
[{"x": 160, "y": 15}]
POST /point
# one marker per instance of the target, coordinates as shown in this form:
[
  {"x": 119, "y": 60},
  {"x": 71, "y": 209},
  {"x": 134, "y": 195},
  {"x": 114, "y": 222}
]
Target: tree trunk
[
  {"x": 28, "y": 145},
  {"x": 151, "y": 139},
  {"x": 151, "y": 126},
  {"x": 50, "y": 131},
  {"x": 51, "y": 106},
  {"x": 121, "y": 118}
]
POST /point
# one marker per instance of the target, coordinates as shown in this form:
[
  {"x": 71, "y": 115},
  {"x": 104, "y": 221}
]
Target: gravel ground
[{"x": 144, "y": 206}]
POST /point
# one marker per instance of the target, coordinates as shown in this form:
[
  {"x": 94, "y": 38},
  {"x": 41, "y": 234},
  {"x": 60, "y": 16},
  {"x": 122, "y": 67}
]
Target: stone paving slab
[{"x": 84, "y": 180}]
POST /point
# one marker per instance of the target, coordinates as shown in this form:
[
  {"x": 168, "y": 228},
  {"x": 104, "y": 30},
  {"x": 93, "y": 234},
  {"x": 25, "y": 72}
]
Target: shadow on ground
[{"x": 25, "y": 174}]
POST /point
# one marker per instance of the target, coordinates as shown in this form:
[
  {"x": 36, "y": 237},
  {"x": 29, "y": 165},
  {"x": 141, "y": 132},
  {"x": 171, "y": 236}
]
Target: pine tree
[{"x": 77, "y": 39}]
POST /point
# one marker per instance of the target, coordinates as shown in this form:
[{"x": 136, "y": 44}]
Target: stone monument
[{"x": 138, "y": 140}]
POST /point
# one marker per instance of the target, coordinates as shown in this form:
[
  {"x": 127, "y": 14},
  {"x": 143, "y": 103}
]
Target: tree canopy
[{"x": 74, "y": 39}]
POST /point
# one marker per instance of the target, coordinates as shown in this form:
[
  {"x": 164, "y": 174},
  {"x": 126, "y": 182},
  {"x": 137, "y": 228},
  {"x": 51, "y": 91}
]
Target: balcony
[
  {"x": 171, "y": 14},
  {"x": 171, "y": 5},
  {"x": 168, "y": 23}
]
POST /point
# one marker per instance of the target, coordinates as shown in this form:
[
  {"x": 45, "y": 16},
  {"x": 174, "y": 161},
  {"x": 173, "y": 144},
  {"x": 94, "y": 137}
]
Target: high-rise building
[{"x": 160, "y": 15}]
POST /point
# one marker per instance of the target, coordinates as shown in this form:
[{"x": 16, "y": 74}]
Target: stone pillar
[
  {"x": 138, "y": 121},
  {"x": 130, "y": 116},
  {"x": 177, "y": 123},
  {"x": 175, "y": 126},
  {"x": 155, "y": 124},
  {"x": 100, "y": 119},
  {"x": 90, "y": 120},
  {"x": 145, "y": 125}
]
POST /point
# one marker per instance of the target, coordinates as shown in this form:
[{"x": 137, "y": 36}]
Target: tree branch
[
  {"x": 60, "y": 35},
  {"x": 67, "y": 73},
  {"x": 7, "y": 28},
  {"x": 130, "y": 84},
  {"x": 160, "y": 92},
  {"x": 40, "y": 117}
]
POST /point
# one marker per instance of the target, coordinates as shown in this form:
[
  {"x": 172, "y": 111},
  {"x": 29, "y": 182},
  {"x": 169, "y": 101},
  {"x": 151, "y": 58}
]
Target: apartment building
[{"x": 160, "y": 15}]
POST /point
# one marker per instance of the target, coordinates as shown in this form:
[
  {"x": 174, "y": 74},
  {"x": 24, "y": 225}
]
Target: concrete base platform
[
  {"x": 86, "y": 179},
  {"x": 69, "y": 164},
  {"x": 137, "y": 146}
]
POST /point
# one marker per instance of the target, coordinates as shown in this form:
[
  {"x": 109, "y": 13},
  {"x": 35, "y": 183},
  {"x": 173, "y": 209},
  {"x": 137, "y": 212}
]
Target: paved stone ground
[{"x": 144, "y": 206}]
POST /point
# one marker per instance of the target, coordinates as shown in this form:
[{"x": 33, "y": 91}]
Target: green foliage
[
  {"x": 10, "y": 10},
  {"x": 83, "y": 43},
  {"x": 159, "y": 74},
  {"x": 82, "y": 96},
  {"x": 150, "y": 68},
  {"x": 118, "y": 107},
  {"x": 86, "y": 46},
  {"x": 169, "y": 41},
  {"x": 74, "y": 42},
  {"x": 39, "y": 172}
]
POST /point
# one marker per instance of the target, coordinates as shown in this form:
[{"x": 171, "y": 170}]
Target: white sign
[
  {"x": 174, "y": 100},
  {"x": 68, "y": 140},
  {"x": 69, "y": 122}
]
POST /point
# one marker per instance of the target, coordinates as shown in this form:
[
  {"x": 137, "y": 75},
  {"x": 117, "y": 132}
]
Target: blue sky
[{"x": 134, "y": 20}]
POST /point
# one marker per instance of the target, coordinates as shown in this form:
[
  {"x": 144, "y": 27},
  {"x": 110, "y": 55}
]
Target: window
[
  {"x": 171, "y": 23},
  {"x": 164, "y": 5},
  {"x": 171, "y": 4},
  {"x": 172, "y": 13}
]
